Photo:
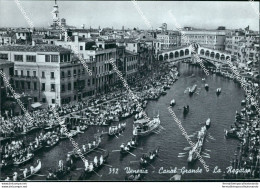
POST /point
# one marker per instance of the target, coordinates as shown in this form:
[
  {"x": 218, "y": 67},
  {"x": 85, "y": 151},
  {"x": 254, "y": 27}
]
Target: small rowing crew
[
  {"x": 26, "y": 173},
  {"x": 208, "y": 123},
  {"x": 218, "y": 91},
  {"x": 131, "y": 145},
  {"x": 172, "y": 103},
  {"x": 115, "y": 130},
  {"x": 196, "y": 150},
  {"x": 186, "y": 109},
  {"x": 147, "y": 159},
  {"x": 193, "y": 89},
  {"x": 206, "y": 87},
  {"x": 93, "y": 166},
  {"x": 86, "y": 148}
]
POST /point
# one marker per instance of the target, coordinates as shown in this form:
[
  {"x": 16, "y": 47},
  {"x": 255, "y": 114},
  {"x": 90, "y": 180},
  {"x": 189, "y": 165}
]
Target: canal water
[{"x": 220, "y": 109}]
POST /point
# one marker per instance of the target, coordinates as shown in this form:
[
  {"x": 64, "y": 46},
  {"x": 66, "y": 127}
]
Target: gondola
[
  {"x": 206, "y": 87},
  {"x": 186, "y": 109},
  {"x": 129, "y": 147},
  {"x": 193, "y": 89},
  {"x": 218, "y": 91},
  {"x": 88, "y": 173},
  {"x": 149, "y": 158},
  {"x": 35, "y": 171},
  {"x": 17, "y": 163},
  {"x": 172, "y": 103},
  {"x": 114, "y": 130},
  {"x": 208, "y": 123},
  {"x": 72, "y": 133},
  {"x": 54, "y": 141}
]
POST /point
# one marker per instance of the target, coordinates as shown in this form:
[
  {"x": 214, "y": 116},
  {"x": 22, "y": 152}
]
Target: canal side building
[{"x": 48, "y": 74}]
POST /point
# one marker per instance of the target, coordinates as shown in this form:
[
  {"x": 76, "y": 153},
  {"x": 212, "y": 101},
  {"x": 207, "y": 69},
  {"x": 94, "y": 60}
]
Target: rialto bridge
[{"x": 183, "y": 52}]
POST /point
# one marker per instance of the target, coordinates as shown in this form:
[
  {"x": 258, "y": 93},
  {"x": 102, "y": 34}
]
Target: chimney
[
  {"x": 77, "y": 38},
  {"x": 66, "y": 36}
]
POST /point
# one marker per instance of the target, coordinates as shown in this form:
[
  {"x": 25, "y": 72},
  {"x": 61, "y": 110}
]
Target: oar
[
  {"x": 131, "y": 153},
  {"x": 162, "y": 127},
  {"x": 39, "y": 175},
  {"x": 206, "y": 156},
  {"x": 180, "y": 156},
  {"x": 97, "y": 151},
  {"x": 101, "y": 149},
  {"x": 115, "y": 150},
  {"x": 108, "y": 165},
  {"x": 79, "y": 168},
  {"x": 151, "y": 165},
  {"x": 187, "y": 148},
  {"x": 182, "y": 153},
  {"x": 208, "y": 150},
  {"x": 97, "y": 174}
]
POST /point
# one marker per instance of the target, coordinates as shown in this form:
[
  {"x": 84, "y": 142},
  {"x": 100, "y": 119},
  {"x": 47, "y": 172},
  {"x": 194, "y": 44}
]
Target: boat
[
  {"x": 208, "y": 122},
  {"x": 87, "y": 173},
  {"x": 88, "y": 150},
  {"x": 24, "y": 160},
  {"x": 131, "y": 145},
  {"x": 54, "y": 140},
  {"x": 203, "y": 79},
  {"x": 243, "y": 102},
  {"x": 218, "y": 91},
  {"x": 144, "y": 127},
  {"x": 147, "y": 159},
  {"x": 163, "y": 92},
  {"x": 186, "y": 109},
  {"x": 172, "y": 103},
  {"x": 206, "y": 87},
  {"x": 114, "y": 130},
  {"x": 72, "y": 133},
  {"x": 196, "y": 150},
  {"x": 193, "y": 89},
  {"x": 31, "y": 173}
]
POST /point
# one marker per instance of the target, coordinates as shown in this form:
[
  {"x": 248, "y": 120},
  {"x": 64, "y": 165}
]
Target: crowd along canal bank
[{"x": 173, "y": 147}]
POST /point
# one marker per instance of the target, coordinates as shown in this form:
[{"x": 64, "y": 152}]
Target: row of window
[
  {"x": 28, "y": 85},
  {"x": 34, "y": 74}
]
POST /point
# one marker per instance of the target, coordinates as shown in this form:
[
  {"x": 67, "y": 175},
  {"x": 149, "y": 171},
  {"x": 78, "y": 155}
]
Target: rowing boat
[
  {"x": 87, "y": 173},
  {"x": 35, "y": 171},
  {"x": 149, "y": 158},
  {"x": 89, "y": 150},
  {"x": 17, "y": 163}
]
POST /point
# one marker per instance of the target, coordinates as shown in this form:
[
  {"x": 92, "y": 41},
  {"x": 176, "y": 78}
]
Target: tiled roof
[{"x": 37, "y": 48}]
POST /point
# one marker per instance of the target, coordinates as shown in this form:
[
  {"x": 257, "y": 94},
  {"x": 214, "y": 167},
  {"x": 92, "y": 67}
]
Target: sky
[{"x": 200, "y": 14}]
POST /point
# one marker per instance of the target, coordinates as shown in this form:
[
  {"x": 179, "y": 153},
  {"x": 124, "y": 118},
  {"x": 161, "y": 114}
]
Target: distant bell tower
[{"x": 55, "y": 13}]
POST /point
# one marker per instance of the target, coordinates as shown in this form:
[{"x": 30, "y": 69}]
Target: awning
[{"x": 36, "y": 105}]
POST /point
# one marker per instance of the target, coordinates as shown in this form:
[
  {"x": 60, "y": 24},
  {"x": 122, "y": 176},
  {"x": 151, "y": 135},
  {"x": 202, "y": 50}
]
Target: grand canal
[{"x": 221, "y": 109}]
